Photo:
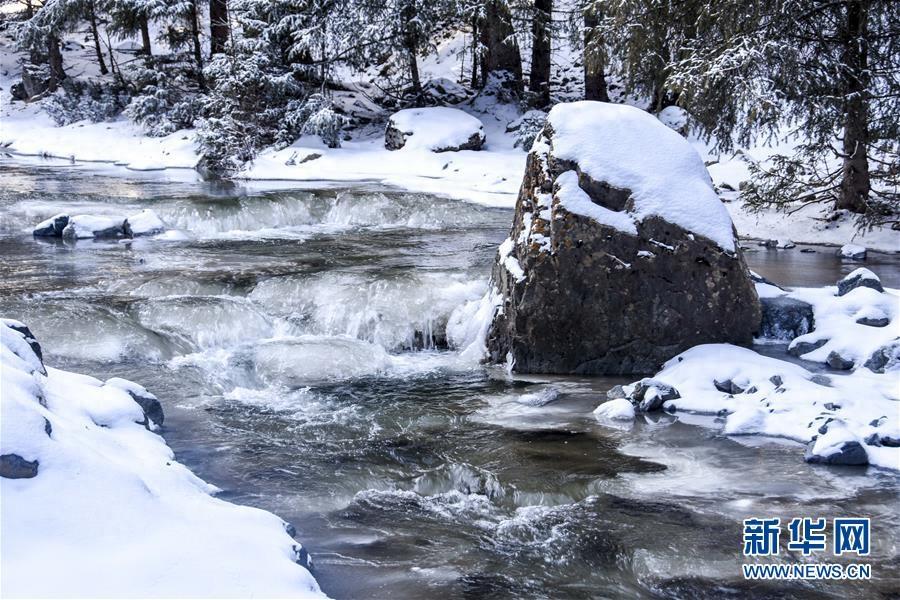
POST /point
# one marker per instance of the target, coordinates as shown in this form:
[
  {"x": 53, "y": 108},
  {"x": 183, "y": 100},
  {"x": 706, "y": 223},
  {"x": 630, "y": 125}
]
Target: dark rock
[
  {"x": 872, "y": 440},
  {"x": 35, "y": 80},
  {"x": 52, "y": 227},
  {"x": 801, "y": 348},
  {"x": 891, "y": 441},
  {"x": 751, "y": 390},
  {"x": 807, "y": 251},
  {"x": 785, "y": 318},
  {"x": 850, "y": 453},
  {"x": 769, "y": 243},
  {"x": 838, "y": 362},
  {"x": 588, "y": 304},
  {"x": 616, "y": 392},
  {"x": 885, "y": 358},
  {"x": 832, "y": 406},
  {"x": 776, "y": 380},
  {"x": 728, "y": 386},
  {"x": 878, "y": 421},
  {"x": 150, "y": 405},
  {"x": 650, "y": 394},
  {"x": 13, "y": 466},
  {"x": 874, "y": 321},
  {"x": 821, "y": 380},
  {"x": 859, "y": 278}
]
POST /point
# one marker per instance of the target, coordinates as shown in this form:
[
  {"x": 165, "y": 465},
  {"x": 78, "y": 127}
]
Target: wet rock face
[
  {"x": 584, "y": 297},
  {"x": 785, "y": 318},
  {"x": 13, "y": 466}
]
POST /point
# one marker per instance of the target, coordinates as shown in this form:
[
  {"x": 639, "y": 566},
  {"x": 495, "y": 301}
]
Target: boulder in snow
[
  {"x": 675, "y": 118},
  {"x": 886, "y": 358},
  {"x": 153, "y": 412},
  {"x": 860, "y": 277},
  {"x": 784, "y": 318},
  {"x": 853, "y": 252},
  {"x": 605, "y": 186},
  {"x": 13, "y": 466},
  {"x": 438, "y": 129},
  {"x": 441, "y": 90},
  {"x": 838, "y": 362},
  {"x": 800, "y": 347}
]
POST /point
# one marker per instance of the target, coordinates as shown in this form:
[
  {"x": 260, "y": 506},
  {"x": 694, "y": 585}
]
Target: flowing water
[{"x": 298, "y": 343}]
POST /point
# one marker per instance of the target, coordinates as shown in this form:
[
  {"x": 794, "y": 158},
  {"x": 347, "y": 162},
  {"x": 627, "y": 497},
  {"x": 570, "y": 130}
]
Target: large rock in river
[{"x": 621, "y": 255}]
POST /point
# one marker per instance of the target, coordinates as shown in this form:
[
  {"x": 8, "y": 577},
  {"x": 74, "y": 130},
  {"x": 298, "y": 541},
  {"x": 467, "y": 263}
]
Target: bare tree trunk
[
  {"x": 501, "y": 50},
  {"x": 218, "y": 25},
  {"x": 55, "y": 61},
  {"x": 595, "y": 87},
  {"x": 145, "y": 36},
  {"x": 475, "y": 56},
  {"x": 92, "y": 18},
  {"x": 855, "y": 184},
  {"x": 539, "y": 79},
  {"x": 29, "y": 9},
  {"x": 198, "y": 49},
  {"x": 411, "y": 44}
]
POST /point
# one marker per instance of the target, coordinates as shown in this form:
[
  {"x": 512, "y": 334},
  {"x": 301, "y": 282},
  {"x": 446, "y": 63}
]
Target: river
[{"x": 296, "y": 339}]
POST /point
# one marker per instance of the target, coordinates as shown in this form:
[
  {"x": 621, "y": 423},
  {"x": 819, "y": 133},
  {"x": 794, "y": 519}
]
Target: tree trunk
[
  {"x": 146, "y": 49},
  {"x": 595, "y": 87},
  {"x": 539, "y": 78},
  {"x": 855, "y": 185},
  {"x": 55, "y": 61},
  {"x": 218, "y": 25},
  {"x": 92, "y": 18},
  {"x": 198, "y": 50},
  {"x": 29, "y": 10},
  {"x": 475, "y": 56},
  {"x": 501, "y": 50},
  {"x": 411, "y": 44}
]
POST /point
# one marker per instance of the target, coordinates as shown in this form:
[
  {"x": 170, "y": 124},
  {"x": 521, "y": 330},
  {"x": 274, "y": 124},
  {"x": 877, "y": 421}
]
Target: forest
[{"x": 822, "y": 76}]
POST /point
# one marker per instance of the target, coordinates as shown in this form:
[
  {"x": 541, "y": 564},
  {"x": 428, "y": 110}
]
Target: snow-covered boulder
[
  {"x": 837, "y": 446},
  {"x": 80, "y": 474},
  {"x": 675, "y": 118},
  {"x": 52, "y": 227},
  {"x": 146, "y": 222},
  {"x": 861, "y": 277},
  {"x": 620, "y": 255},
  {"x": 619, "y": 409},
  {"x": 853, "y": 252},
  {"x": 94, "y": 226},
  {"x": 441, "y": 90},
  {"x": 886, "y": 358},
  {"x": 438, "y": 129}
]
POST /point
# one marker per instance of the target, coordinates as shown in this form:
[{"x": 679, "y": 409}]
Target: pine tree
[{"x": 829, "y": 70}]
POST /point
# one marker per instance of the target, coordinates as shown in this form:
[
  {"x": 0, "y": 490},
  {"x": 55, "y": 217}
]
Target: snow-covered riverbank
[{"x": 95, "y": 505}]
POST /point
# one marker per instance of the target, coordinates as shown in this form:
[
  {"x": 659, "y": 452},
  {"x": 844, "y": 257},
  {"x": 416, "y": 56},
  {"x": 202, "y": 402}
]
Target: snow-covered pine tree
[{"x": 827, "y": 71}]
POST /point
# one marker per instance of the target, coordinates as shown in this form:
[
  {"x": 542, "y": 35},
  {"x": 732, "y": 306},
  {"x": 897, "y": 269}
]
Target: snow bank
[
  {"x": 100, "y": 508},
  {"x": 772, "y": 397},
  {"x": 630, "y": 149},
  {"x": 437, "y": 129}
]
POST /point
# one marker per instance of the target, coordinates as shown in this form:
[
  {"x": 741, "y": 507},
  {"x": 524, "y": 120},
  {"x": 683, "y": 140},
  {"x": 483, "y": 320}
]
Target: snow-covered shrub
[
  {"x": 165, "y": 101},
  {"x": 314, "y": 116},
  {"x": 527, "y": 127},
  {"x": 85, "y": 100}
]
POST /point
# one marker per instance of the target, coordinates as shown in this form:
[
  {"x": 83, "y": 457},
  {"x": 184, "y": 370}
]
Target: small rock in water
[
  {"x": 785, "y": 245},
  {"x": 616, "y": 392},
  {"x": 541, "y": 398},
  {"x": 853, "y": 252},
  {"x": 52, "y": 227},
  {"x": 769, "y": 243},
  {"x": 619, "y": 409},
  {"x": 807, "y": 251},
  {"x": 860, "y": 277},
  {"x": 847, "y": 453}
]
